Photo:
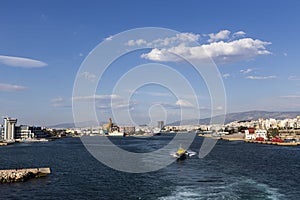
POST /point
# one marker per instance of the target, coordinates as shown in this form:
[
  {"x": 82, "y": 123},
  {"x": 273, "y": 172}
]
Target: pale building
[
  {"x": 160, "y": 124},
  {"x": 9, "y": 129},
  {"x": 128, "y": 129},
  {"x": 23, "y": 132},
  {"x": 249, "y": 136},
  {"x": 1, "y": 132},
  {"x": 261, "y": 134}
]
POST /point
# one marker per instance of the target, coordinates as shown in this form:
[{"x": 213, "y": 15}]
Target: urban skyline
[{"x": 43, "y": 46}]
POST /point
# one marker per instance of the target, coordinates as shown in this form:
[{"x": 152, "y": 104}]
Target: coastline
[{"x": 237, "y": 137}]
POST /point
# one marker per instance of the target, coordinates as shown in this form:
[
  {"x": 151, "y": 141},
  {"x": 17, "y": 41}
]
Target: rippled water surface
[{"x": 233, "y": 170}]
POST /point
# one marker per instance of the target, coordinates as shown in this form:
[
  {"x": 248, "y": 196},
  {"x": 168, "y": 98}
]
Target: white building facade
[{"x": 9, "y": 129}]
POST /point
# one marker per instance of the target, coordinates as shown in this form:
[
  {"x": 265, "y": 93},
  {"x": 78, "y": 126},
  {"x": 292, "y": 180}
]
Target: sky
[{"x": 254, "y": 46}]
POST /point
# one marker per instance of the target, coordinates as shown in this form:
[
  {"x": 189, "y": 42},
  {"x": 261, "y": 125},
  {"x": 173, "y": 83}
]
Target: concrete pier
[
  {"x": 274, "y": 143},
  {"x": 19, "y": 175},
  {"x": 3, "y": 143}
]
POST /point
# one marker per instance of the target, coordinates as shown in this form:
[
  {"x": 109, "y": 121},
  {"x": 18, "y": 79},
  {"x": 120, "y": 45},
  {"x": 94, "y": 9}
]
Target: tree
[{"x": 273, "y": 132}]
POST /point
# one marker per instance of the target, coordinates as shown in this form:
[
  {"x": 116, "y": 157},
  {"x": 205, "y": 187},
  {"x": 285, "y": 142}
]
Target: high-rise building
[
  {"x": 1, "y": 132},
  {"x": 9, "y": 129},
  {"x": 160, "y": 124}
]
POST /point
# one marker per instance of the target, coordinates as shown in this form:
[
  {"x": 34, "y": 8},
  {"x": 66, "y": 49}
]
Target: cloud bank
[
  {"x": 260, "y": 77},
  {"x": 10, "y": 87},
  {"x": 213, "y": 37},
  {"x": 21, "y": 62},
  {"x": 222, "y": 47}
]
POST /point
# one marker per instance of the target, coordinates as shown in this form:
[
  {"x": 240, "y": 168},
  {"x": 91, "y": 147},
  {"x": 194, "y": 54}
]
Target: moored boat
[
  {"x": 112, "y": 129},
  {"x": 115, "y": 133}
]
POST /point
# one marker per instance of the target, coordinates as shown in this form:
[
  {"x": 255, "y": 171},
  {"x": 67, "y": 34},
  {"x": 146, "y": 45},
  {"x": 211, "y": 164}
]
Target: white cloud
[
  {"x": 236, "y": 50},
  {"x": 239, "y": 34},
  {"x": 219, "y": 108},
  {"x": 138, "y": 42},
  {"x": 89, "y": 76},
  {"x": 109, "y": 38},
  {"x": 122, "y": 104},
  {"x": 164, "y": 55},
  {"x": 21, "y": 62},
  {"x": 109, "y": 102},
  {"x": 10, "y": 87},
  {"x": 57, "y": 102},
  {"x": 183, "y": 103},
  {"x": 260, "y": 77},
  {"x": 214, "y": 37},
  {"x": 155, "y": 94},
  {"x": 178, "y": 39},
  {"x": 246, "y": 71},
  {"x": 105, "y": 102},
  {"x": 220, "y": 52},
  {"x": 60, "y": 102},
  {"x": 172, "y": 49},
  {"x": 58, "y": 99},
  {"x": 97, "y": 97},
  {"x": 227, "y": 75},
  {"x": 294, "y": 78},
  {"x": 291, "y": 96},
  {"x": 179, "y": 104}
]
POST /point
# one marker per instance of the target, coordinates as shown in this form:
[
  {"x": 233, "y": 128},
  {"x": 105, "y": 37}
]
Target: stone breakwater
[{"x": 20, "y": 175}]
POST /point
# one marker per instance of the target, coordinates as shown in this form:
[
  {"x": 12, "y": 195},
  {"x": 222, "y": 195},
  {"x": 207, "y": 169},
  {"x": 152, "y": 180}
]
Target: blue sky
[{"x": 43, "y": 44}]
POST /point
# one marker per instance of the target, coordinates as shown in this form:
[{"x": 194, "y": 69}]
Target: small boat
[
  {"x": 34, "y": 140},
  {"x": 182, "y": 153},
  {"x": 156, "y": 131}
]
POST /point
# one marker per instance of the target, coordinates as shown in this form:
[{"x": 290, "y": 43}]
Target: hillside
[{"x": 249, "y": 115}]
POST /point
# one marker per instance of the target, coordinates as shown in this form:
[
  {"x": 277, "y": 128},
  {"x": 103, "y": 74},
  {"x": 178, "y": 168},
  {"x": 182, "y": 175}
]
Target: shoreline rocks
[{"x": 21, "y": 175}]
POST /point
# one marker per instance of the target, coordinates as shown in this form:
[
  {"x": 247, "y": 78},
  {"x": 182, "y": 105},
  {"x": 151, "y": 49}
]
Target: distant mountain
[
  {"x": 230, "y": 117},
  {"x": 79, "y": 125},
  {"x": 63, "y": 125},
  {"x": 240, "y": 116}
]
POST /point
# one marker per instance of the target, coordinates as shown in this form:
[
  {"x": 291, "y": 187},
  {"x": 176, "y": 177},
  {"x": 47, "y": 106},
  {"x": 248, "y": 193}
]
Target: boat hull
[
  {"x": 182, "y": 156},
  {"x": 120, "y": 134}
]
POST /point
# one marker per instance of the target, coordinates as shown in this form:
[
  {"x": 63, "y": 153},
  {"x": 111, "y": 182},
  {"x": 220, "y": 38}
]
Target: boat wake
[
  {"x": 225, "y": 190},
  {"x": 188, "y": 153}
]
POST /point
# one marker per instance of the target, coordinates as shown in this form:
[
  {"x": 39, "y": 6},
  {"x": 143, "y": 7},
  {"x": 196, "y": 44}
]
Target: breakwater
[
  {"x": 274, "y": 143},
  {"x": 3, "y": 143},
  {"x": 20, "y": 175}
]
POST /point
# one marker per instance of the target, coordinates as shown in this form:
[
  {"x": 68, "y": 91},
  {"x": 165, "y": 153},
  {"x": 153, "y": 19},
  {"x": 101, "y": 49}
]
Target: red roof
[{"x": 251, "y": 130}]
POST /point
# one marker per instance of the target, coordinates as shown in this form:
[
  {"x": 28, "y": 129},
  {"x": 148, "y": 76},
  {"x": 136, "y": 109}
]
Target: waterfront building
[
  {"x": 24, "y": 132},
  {"x": 38, "y": 131},
  {"x": 1, "y": 132},
  {"x": 28, "y": 132},
  {"x": 9, "y": 129},
  {"x": 252, "y": 134},
  {"x": 160, "y": 124},
  {"x": 249, "y": 134},
  {"x": 261, "y": 134},
  {"x": 297, "y": 123},
  {"x": 128, "y": 129}
]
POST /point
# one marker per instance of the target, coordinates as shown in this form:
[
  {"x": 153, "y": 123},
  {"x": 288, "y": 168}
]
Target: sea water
[{"x": 232, "y": 170}]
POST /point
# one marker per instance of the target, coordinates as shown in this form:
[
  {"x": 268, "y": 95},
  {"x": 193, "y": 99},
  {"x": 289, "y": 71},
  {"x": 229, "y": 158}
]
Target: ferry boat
[
  {"x": 115, "y": 133},
  {"x": 112, "y": 129}
]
